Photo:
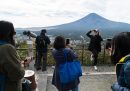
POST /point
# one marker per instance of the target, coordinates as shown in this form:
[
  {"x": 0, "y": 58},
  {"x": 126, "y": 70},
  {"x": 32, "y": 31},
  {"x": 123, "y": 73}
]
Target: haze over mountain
[{"x": 79, "y": 27}]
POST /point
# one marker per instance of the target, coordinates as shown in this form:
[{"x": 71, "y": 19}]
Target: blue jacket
[{"x": 123, "y": 80}]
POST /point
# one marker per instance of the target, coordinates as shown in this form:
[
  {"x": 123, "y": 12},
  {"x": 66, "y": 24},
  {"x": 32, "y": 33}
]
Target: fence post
[
  {"x": 82, "y": 51},
  {"x": 103, "y": 52},
  {"x": 82, "y": 47}
]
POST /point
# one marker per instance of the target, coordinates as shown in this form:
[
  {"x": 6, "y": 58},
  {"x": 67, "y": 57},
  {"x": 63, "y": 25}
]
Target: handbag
[
  {"x": 26, "y": 85},
  {"x": 69, "y": 71}
]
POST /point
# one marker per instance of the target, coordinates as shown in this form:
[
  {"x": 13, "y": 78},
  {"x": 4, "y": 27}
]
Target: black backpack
[{"x": 41, "y": 42}]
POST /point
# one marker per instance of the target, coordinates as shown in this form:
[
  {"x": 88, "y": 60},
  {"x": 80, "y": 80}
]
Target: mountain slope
[
  {"x": 107, "y": 27},
  {"x": 79, "y": 27}
]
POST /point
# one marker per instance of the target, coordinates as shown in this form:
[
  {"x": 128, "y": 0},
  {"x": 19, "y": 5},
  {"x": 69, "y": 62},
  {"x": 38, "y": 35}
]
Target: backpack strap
[{"x": 65, "y": 55}]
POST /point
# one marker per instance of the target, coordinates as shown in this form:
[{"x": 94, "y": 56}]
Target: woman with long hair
[
  {"x": 58, "y": 54},
  {"x": 11, "y": 71},
  {"x": 120, "y": 55}
]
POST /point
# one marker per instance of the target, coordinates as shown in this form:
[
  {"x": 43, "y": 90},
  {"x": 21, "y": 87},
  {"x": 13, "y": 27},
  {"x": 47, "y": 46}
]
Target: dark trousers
[
  {"x": 95, "y": 56},
  {"x": 41, "y": 63}
]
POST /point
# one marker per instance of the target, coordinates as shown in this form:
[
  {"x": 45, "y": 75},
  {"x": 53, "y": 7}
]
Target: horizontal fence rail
[{"x": 82, "y": 52}]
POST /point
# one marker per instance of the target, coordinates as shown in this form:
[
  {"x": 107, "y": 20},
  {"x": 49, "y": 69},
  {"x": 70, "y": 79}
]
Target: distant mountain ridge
[{"x": 79, "y": 27}]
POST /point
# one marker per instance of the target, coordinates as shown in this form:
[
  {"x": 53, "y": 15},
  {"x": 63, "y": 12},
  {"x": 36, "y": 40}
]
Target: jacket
[
  {"x": 59, "y": 59},
  {"x": 123, "y": 79},
  {"x": 95, "y": 42},
  {"x": 11, "y": 68}
]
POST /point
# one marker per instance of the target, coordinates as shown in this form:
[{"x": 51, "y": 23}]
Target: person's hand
[
  {"x": 69, "y": 46},
  {"x": 51, "y": 48},
  {"x": 91, "y": 30},
  {"x": 109, "y": 51},
  {"x": 22, "y": 64}
]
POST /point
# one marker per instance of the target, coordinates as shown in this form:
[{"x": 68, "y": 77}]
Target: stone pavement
[{"x": 100, "y": 80}]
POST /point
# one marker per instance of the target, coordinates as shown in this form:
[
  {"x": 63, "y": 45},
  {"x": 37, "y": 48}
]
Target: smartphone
[{"x": 67, "y": 41}]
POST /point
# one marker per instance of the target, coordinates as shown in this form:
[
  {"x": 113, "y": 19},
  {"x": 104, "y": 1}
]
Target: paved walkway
[
  {"x": 90, "y": 83},
  {"x": 100, "y": 80}
]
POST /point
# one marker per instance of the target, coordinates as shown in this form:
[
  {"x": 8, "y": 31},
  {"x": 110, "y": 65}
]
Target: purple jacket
[{"x": 59, "y": 59}]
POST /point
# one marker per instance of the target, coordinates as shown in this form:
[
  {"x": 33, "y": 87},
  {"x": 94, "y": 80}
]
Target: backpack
[
  {"x": 2, "y": 82},
  {"x": 41, "y": 42},
  {"x": 122, "y": 63}
]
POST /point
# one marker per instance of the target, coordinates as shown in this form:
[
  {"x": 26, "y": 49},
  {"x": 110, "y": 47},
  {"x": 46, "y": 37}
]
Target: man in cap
[{"x": 42, "y": 43}]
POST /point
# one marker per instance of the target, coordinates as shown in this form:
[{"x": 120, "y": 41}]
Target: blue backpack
[{"x": 2, "y": 82}]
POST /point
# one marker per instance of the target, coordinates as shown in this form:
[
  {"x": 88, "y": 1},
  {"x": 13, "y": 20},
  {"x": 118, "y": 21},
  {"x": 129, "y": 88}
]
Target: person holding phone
[{"x": 94, "y": 45}]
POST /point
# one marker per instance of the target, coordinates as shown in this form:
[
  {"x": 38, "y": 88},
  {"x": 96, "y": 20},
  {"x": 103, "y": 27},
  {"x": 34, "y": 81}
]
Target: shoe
[
  {"x": 53, "y": 67},
  {"x": 38, "y": 68},
  {"x": 95, "y": 67},
  {"x": 43, "y": 70}
]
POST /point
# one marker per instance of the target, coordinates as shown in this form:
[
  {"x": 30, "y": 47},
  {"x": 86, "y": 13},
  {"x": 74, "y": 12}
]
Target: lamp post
[{"x": 82, "y": 47}]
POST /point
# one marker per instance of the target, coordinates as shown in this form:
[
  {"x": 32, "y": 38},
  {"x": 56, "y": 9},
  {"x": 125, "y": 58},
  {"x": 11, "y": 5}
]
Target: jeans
[{"x": 75, "y": 89}]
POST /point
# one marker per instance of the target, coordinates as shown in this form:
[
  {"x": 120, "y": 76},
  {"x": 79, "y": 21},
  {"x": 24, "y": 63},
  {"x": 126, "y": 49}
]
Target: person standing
[
  {"x": 58, "y": 54},
  {"x": 42, "y": 43},
  {"x": 94, "y": 45},
  {"x": 11, "y": 69},
  {"x": 120, "y": 55}
]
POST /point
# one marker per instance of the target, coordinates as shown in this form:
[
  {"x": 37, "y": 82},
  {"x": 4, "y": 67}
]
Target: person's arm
[
  {"x": 12, "y": 66},
  {"x": 88, "y": 34},
  {"x": 101, "y": 38},
  {"x": 72, "y": 54},
  {"x": 48, "y": 40}
]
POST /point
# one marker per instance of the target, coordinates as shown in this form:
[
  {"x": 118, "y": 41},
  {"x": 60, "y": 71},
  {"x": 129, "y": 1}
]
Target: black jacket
[{"x": 95, "y": 42}]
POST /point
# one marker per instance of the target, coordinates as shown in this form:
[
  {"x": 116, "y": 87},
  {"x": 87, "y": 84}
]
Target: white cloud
[
  {"x": 34, "y": 13},
  {"x": 118, "y": 10}
]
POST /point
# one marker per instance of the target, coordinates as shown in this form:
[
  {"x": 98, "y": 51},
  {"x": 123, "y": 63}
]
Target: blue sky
[{"x": 41, "y": 13}]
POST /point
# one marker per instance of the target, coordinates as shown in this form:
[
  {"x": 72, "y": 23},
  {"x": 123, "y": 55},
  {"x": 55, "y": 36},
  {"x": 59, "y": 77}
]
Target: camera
[{"x": 67, "y": 41}]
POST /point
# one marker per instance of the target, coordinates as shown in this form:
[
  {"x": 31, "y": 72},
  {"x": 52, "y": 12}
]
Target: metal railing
[{"x": 82, "y": 52}]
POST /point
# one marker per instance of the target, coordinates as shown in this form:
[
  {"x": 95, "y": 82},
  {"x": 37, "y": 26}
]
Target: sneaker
[
  {"x": 43, "y": 69},
  {"x": 53, "y": 67},
  {"x": 95, "y": 67},
  {"x": 44, "y": 72},
  {"x": 38, "y": 68}
]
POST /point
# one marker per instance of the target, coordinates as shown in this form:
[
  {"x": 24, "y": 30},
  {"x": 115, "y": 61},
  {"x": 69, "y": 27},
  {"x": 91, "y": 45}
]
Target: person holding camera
[
  {"x": 58, "y": 55},
  {"x": 42, "y": 43},
  {"x": 94, "y": 45}
]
